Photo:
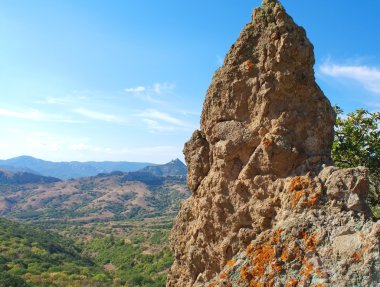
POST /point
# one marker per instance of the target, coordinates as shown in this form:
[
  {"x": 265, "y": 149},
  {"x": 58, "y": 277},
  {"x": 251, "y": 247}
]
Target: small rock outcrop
[{"x": 267, "y": 206}]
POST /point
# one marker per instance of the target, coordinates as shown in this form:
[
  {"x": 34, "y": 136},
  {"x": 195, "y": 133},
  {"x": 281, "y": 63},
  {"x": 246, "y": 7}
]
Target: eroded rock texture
[{"x": 265, "y": 209}]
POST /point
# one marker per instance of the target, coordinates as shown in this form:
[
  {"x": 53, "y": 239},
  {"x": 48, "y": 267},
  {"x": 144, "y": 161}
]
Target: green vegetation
[
  {"x": 113, "y": 230},
  {"x": 140, "y": 260},
  {"x": 357, "y": 143},
  {"x": 130, "y": 253},
  {"x": 31, "y": 256}
]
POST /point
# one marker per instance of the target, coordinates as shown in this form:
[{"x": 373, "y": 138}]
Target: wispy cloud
[
  {"x": 64, "y": 100},
  {"x": 138, "y": 89},
  {"x": 99, "y": 116},
  {"x": 155, "y": 126},
  {"x": 36, "y": 115},
  {"x": 161, "y": 121},
  {"x": 147, "y": 153},
  {"x": 368, "y": 77},
  {"x": 30, "y": 115},
  {"x": 160, "y": 88},
  {"x": 150, "y": 93}
]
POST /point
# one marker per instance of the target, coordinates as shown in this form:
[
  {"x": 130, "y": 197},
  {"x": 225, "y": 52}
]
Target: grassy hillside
[
  {"x": 140, "y": 259},
  {"x": 30, "y": 256},
  {"x": 133, "y": 254}
]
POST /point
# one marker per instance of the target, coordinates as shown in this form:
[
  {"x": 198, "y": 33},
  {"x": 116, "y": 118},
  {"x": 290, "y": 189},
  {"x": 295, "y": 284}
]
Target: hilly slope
[
  {"x": 175, "y": 167},
  {"x": 66, "y": 170},
  {"x": 120, "y": 221},
  {"x": 22, "y": 177},
  {"x": 104, "y": 197},
  {"x": 31, "y": 256}
]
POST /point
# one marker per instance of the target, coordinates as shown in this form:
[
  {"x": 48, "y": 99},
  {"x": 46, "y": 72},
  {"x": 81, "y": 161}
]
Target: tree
[
  {"x": 8, "y": 280},
  {"x": 357, "y": 143}
]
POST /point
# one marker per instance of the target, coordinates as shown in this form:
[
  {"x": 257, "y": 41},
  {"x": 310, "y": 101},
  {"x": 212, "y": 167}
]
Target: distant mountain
[
  {"x": 175, "y": 167},
  {"x": 118, "y": 195},
  {"x": 67, "y": 170},
  {"x": 9, "y": 177}
]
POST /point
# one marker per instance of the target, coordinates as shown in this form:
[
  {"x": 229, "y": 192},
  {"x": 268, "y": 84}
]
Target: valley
[{"x": 119, "y": 222}]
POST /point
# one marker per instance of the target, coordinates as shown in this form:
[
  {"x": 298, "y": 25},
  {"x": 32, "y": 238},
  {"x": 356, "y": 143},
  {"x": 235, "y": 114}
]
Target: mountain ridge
[
  {"x": 22, "y": 177},
  {"x": 115, "y": 195},
  {"x": 69, "y": 169}
]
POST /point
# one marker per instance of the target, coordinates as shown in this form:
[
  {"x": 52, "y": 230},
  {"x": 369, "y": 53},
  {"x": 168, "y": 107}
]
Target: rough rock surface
[{"x": 267, "y": 208}]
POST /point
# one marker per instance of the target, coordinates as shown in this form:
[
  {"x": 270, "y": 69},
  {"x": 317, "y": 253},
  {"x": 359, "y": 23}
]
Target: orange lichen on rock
[
  {"x": 303, "y": 191},
  {"x": 291, "y": 283},
  {"x": 297, "y": 196},
  {"x": 245, "y": 273},
  {"x": 230, "y": 263},
  {"x": 310, "y": 242},
  {"x": 277, "y": 267},
  {"x": 262, "y": 256},
  {"x": 357, "y": 256},
  {"x": 312, "y": 200},
  {"x": 285, "y": 254},
  {"x": 307, "y": 269},
  {"x": 267, "y": 143},
  {"x": 299, "y": 183},
  {"x": 271, "y": 259},
  {"x": 249, "y": 249},
  {"x": 249, "y": 65}
]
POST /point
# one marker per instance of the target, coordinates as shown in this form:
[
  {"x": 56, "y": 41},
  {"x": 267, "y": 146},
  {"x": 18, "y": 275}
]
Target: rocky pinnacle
[{"x": 267, "y": 206}]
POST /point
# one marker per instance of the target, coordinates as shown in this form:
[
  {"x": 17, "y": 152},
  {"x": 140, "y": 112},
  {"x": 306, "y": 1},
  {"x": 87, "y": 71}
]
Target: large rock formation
[{"x": 267, "y": 208}]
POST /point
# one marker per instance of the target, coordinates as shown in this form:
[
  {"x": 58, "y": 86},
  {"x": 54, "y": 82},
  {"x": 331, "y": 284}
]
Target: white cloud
[
  {"x": 138, "y": 89},
  {"x": 155, "y": 126},
  {"x": 149, "y": 153},
  {"x": 65, "y": 100},
  {"x": 36, "y": 115},
  {"x": 154, "y": 119},
  {"x": 30, "y": 115},
  {"x": 369, "y": 77},
  {"x": 150, "y": 93},
  {"x": 100, "y": 116},
  {"x": 160, "y": 88}
]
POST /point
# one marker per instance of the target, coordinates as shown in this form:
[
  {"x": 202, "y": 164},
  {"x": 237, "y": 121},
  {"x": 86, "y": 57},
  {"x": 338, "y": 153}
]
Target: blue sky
[{"x": 125, "y": 79}]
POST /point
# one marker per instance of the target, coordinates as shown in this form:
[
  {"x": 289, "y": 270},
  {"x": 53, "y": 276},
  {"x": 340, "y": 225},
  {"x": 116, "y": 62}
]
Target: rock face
[{"x": 267, "y": 208}]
